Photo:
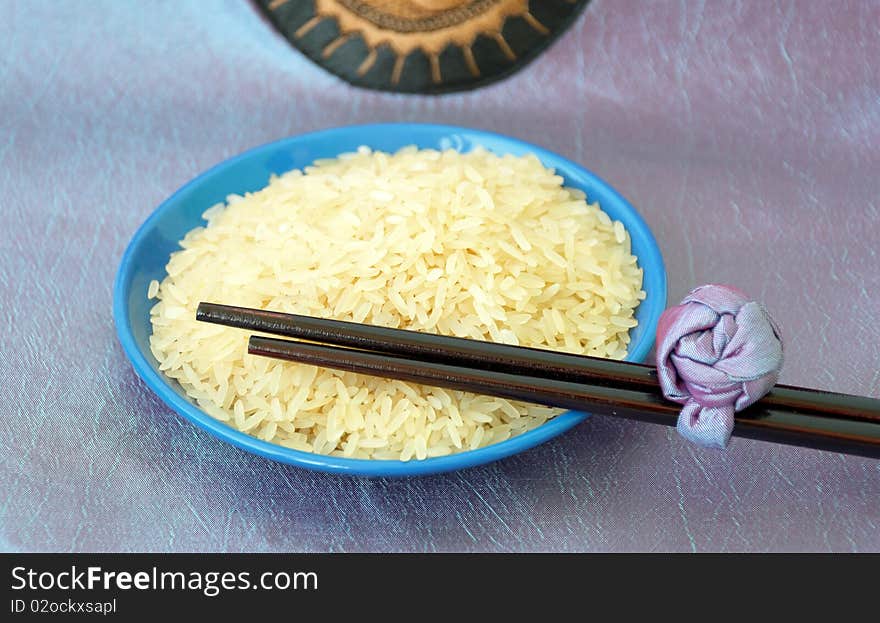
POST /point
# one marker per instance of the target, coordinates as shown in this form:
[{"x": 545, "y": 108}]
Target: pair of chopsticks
[{"x": 790, "y": 415}]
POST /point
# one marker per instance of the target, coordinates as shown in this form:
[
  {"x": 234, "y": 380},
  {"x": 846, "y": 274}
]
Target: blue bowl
[{"x": 148, "y": 252}]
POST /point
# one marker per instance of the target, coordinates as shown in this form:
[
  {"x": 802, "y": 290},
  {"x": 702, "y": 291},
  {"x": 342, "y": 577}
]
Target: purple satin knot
[{"x": 717, "y": 353}]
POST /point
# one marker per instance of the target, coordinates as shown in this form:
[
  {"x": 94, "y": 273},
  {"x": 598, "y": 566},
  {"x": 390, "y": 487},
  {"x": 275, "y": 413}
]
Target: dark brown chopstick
[
  {"x": 820, "y": 431},
  {"x": 551, "y": 392},
  {"x": 517, "y": 360},
  {"x": 432, "y": 347}
]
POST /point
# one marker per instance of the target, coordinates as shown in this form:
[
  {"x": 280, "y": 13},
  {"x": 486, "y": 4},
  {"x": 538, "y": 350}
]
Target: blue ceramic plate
[{"x": 147, "y": 254}]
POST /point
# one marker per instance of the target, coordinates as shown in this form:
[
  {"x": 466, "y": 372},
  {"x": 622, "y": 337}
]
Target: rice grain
[{"x": 474, "y": 245}]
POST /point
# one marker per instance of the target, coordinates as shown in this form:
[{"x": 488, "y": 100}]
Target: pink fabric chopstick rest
[{"x": 717, "y": 353}]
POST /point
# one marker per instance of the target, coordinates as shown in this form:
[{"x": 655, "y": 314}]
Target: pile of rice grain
[{"x": 473, "y": 245}]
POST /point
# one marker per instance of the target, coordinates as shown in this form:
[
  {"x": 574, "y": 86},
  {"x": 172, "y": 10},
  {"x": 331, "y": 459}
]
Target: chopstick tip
[{"x": 202, "y": 311}]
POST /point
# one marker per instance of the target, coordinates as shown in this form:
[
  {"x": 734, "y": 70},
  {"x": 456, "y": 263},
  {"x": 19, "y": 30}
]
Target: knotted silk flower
[{"x": 717, "y": 353}]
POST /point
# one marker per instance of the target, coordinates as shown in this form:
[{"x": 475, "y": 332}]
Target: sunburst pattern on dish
[{"x": 408, "y": 25}]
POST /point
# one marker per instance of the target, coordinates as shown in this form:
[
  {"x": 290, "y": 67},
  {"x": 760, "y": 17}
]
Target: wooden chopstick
[
  {"x": 820, "y": 431},
  {"x": 518, "y": 360},
  {"x": 791, "y": 415},
  {"x": 433, "y": 347}
]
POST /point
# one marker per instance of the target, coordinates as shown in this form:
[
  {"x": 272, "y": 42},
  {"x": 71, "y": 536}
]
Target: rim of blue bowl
[{"x": 650, "y": 259}]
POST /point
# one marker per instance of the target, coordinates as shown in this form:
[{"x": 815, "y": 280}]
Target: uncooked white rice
[{"x": 473, "y": 245}]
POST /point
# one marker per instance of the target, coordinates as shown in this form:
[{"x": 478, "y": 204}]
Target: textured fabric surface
[
  {"x": 717, "y": 353},
  {"x": 746, "y": 133}
]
